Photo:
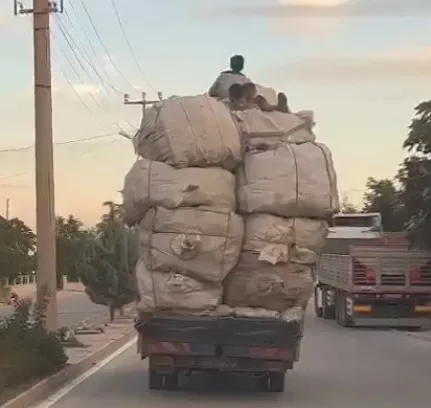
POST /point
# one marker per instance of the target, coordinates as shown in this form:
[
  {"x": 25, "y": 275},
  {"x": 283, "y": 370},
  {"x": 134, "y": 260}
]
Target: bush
[{"x": 27, "y": 350}]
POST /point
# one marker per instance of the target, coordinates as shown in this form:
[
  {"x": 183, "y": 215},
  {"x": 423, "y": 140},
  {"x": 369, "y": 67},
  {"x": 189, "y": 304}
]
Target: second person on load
[{"x": 253, "y": 100}]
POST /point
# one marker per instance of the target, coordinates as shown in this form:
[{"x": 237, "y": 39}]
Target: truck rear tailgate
[{"x": 273, "y": 339}]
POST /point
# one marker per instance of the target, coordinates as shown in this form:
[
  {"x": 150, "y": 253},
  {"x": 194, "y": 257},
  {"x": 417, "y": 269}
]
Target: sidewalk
[{"x": 116, "y": 336}]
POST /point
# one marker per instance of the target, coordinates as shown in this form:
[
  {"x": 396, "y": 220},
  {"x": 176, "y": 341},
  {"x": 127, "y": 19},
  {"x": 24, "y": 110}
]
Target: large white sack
[
  {"x": 292, "y": 180},
  {"x": 268, "y": 93},
  {"x": 254, "y": 283},
  {"x": 272, "y": 128},
  {"x": 173, "y": 291},
  {"x": 150, "y": 183},
  {"x": 194, "y": 131},
  {"x": 282, "y": 240},
  {"x": 202, "y": 243}
]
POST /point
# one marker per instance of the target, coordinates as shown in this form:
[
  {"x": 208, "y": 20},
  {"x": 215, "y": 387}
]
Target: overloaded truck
[
  {"x": 366, "y": 279},
  {"x": 230, "y": 208}
]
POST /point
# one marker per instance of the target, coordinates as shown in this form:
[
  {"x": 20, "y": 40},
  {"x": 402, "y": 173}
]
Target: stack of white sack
[
  {"x": 181, "y": 197},
  {"x": 286, "y": 189}
]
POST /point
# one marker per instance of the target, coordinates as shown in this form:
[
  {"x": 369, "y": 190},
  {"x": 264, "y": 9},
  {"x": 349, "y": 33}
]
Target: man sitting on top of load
[{"x": 243, "y": 94}]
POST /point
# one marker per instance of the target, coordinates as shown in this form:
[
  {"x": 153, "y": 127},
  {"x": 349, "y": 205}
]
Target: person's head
[
  {"x": 250, "y": 91},
  {"x": 237, "y": 63},
  {"x": 236, "y": 92}
]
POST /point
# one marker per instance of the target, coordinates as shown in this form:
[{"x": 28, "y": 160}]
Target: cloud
[
  {"x": 307, "y": 26},
  {"x": 398, "y": 64},
  {"x": 293, "y": 9}
]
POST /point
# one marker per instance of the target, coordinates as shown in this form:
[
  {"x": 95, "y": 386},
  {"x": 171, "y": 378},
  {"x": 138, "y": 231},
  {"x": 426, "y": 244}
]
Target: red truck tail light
[
  {"x": 363, "y": 275},
  {"x": 271, "y": 353},
  {"x": 415, "y": 275},
  {"x": 370, "y": 274},
  {"x": 421, "y": 276},
  {"x": 167, "y": 347}
]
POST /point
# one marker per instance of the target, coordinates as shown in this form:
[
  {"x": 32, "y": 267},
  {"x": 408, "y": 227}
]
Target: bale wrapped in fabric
[
  {"x": 272, "y": 128},
  {"x": 150, "y": 183},
  {"x": 199, "y": 242},
  {"x": 291, "y": 180},
  {"x": 258, "y": 284},
  {"x": 282, "y": 240},
  {"x": 193, "y": 131},
  {"x": 176, "y": 293}
]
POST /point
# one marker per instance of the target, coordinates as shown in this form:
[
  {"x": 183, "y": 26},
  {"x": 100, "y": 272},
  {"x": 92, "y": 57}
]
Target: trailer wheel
[
  {"x": 276, "y": 382},
  {"x": 328, "y": 311},
  {"x": 340, "y": 310},
  {"x": 155, "y": 380},
  {"x": 318, "y": 310}
]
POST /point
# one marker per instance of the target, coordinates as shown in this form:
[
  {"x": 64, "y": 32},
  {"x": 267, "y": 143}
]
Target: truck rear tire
[
  {"x": 276, "y": 382},
  {"x": 155, "y": 380},
  {"x": 158, "y": 381},
  {"x": 328, "y": 311},
  {"x": 340, "y": 310},
  {"x": 318, "y": 310},
  {"x": 171, "y": 382}
]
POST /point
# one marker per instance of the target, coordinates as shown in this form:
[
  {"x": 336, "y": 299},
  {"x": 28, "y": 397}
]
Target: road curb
[
  {"x": 420, "y": 336},
  {"x": 50, "y": 385}
]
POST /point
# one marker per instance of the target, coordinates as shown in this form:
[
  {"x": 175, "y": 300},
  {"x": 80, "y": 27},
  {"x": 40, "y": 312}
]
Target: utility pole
[
  {"x": 142, "y": 102},
  {"x": 7, "y": 207},
  {"x": 46, "y": 276}
]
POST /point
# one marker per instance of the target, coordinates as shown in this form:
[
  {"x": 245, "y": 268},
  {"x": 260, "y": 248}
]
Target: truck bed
[
  {"x": 224, "y": 330},
  {"x": 376, "y": 269}
]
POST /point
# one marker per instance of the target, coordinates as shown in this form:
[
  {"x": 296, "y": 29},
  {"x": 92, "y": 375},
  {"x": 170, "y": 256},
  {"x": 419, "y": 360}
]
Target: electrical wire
[
  {"x": 20, "y": 149},
  {"x": 108, "y": 55},
  {"x": 74, "y": 47},
  {"x": 85, "y": 56},
  {"x": 96, "y": 55},
  {"x": 129, "y": 45},
  {"x": 81, "y": 155}
]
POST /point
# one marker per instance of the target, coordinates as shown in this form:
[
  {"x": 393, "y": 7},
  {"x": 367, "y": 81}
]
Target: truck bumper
[{"x": 390, "y": 322}]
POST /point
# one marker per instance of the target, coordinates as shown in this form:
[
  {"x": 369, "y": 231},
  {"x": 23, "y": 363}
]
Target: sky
[{"x": 360, "y": 65}]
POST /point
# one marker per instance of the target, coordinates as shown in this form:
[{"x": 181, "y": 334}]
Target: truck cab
[
  {"x": 353, "y": 229},
  {"x": 356, "y": 226}
]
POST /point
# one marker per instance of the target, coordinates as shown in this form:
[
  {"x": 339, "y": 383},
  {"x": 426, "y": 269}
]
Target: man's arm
[{"x": 214, "y": 89}]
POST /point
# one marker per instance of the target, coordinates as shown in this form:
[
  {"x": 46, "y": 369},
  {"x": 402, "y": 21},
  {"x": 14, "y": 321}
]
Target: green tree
[
  {"x": 17, "y": 248},
  {"x": 347, "y": 207},
  {"x": 383, "y": 197},
  {"x": 108, "y": 272},
  {"x": 71, "y": 243},
  {"x": 415, "y": 178}
]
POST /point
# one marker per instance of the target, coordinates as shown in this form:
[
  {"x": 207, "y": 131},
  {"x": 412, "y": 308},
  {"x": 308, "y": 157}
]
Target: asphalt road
[
  {"x": 74, "y": 308},
  {"x": 339, "y": 368}
]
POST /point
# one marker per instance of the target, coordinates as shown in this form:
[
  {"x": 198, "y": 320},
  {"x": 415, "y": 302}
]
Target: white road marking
[{"x": 74, "y": 383}]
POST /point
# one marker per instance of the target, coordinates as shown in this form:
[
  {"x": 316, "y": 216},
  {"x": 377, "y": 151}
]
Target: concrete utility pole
[
  {"x": 45, "y": 214},
  {"x": 7, "y": 207}
]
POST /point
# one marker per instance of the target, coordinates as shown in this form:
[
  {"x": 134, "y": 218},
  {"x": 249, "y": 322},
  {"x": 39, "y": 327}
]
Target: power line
[
  {"x": 76, "y": 48},
  {"x": 81, "y": 155},
  {"x": 73, "y": 47},
  {"x": 20, "y": 149},
  {"x": 103, "y": 45},
  {"x": 81, "y": 27},
  {"x": 129, "y": 45},
  {"x": 78, "y": 76}
]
